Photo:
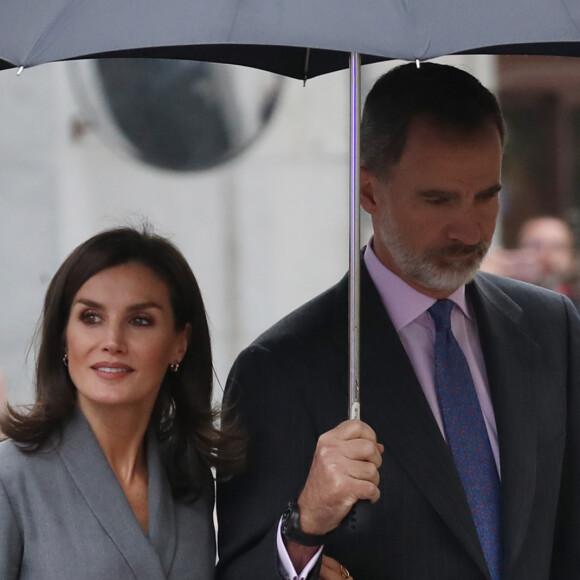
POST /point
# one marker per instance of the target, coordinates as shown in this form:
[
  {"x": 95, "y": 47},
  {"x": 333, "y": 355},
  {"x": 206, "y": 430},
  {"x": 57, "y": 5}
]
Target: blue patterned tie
[{"x": 467, "y": 435}]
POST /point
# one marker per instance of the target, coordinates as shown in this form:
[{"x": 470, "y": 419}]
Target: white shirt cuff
[{"x": 285, "y": 563}]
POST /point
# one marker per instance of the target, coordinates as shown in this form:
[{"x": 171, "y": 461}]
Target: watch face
[
  {"x": 292, "y": 531},
  {"x": 290, "y": 518}
]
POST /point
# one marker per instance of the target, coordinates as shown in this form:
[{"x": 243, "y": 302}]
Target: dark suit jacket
[
  {"x": 64, "y": 516},
  {"x": 291, "y": 386}
]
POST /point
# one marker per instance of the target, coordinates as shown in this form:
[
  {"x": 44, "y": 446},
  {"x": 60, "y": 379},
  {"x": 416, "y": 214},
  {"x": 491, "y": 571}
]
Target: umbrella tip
[
  {"x": 19, "y": 71},
  {"x": 418, "y": 63}
]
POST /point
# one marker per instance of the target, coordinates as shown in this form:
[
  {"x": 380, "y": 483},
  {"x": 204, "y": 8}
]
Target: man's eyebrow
[
  {"x": 452, "y": 193},
  {"x": 493, "y": 189},
  {"x": 438, "y": 193}
]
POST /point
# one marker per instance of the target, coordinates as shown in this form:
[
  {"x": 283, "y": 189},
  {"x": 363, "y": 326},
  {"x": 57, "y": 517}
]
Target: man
[
  {"x": 470, "y": 447},
  {"x": 545, "y": 256},
  {"x": 550, "y": 241}
]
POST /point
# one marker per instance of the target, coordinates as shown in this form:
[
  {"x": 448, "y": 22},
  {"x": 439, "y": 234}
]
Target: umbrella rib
[
  {"x": 565, "y": 8},
  {"x": 234, "y": 19},
  {"x": 51, "y": 24},
  {"x": 306, "y": 65}
]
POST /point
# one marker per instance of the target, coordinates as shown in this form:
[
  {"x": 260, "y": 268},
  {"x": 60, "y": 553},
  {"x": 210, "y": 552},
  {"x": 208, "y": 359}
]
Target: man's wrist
[{"x": 292, "y": 531}]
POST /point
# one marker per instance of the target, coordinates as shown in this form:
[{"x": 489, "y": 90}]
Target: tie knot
[{"x": 441, "y": 314}]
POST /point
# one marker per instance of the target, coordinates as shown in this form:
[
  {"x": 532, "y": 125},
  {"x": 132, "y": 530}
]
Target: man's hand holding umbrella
[{"x": 344, "y": 470}]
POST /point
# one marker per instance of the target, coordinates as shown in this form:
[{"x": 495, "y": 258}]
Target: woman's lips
[{"x": 111, "y": 370}]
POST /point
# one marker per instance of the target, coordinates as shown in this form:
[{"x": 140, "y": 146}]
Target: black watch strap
[{"x": 292, "y": 531}]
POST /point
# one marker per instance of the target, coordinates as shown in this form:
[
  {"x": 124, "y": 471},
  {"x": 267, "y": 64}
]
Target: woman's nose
[{"x": 115, "y": 339}]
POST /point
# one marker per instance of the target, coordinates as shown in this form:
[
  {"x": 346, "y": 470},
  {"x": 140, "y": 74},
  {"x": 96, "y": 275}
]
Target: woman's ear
[{"x": 184, "y": 338}]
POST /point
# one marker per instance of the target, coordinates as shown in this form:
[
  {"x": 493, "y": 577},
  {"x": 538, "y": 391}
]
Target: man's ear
[{"x": 368, "y": 190}]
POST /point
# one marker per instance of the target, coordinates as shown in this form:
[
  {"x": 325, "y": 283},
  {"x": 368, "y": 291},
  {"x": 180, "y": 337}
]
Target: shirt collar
[{"x": 403, "y": 303}]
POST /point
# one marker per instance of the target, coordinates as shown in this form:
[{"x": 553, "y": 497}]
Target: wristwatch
[{"x": 292, "y": 531}]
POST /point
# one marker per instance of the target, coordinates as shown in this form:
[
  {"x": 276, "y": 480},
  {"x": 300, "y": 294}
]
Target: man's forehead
[{"x": 452, "y": 132}]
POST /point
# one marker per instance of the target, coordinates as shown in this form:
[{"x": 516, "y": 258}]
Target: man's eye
[{"x": 436, "y": 200}]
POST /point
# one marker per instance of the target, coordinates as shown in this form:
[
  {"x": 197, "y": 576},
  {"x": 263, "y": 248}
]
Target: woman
[{"x": 109, "y": 473}]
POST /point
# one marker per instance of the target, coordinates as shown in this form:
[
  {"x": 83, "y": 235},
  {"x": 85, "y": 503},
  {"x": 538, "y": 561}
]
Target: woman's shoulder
[
  {"x": 9, "y": 453},
  {"x": 17, "y": 463},
  {"x": 11, "y": 463}
]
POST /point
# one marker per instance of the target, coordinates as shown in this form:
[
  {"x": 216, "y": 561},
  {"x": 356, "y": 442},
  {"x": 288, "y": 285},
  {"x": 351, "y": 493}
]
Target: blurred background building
[
  {"x": 540, "y": 98},
  {"x": 246, "y": 171}
]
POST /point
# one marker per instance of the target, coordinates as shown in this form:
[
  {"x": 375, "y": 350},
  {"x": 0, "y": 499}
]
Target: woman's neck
[
  {"x": 120, "y": 432},
  {"x": 121, "y": 435}
]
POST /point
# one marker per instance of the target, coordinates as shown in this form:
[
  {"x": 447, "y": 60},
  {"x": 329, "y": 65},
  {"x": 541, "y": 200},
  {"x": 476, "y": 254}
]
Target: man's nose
[{"x": 465, "y": 229}]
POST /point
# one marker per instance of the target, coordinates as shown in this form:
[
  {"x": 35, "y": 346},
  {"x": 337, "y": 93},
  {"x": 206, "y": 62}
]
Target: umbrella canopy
[
  {"x": 34, "y": 32},
  {"x": 297, "y": 38}
]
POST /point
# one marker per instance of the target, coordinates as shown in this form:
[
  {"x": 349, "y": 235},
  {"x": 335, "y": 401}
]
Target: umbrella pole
[{"x": 354, "y": 241}]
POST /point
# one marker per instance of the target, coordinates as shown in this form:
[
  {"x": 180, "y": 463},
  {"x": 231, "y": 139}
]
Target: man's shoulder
[
  {"x": 316, "y": 317},
  {"x": 533, "y": 302},
  {"x": 307, "y": 347},
  {"x": 516, "y": 289}
]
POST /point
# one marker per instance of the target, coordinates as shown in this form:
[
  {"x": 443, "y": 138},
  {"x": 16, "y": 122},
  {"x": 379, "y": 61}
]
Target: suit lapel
[
  {"x": 393, "y": 403},
  {"x": 100, "y": 488},
  {"x": 162, "y": 523},
  {"x": 511, "y": 360}
]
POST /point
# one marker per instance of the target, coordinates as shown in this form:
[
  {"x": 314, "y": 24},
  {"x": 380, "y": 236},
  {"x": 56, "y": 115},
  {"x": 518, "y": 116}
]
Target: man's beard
[{"x": 425, "y": 268}]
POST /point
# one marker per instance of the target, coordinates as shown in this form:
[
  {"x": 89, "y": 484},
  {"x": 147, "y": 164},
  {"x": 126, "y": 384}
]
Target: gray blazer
[{"x": 63, "y": 515}]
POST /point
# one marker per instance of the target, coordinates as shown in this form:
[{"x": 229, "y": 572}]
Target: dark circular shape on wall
[{"x": 175, "y": 115}]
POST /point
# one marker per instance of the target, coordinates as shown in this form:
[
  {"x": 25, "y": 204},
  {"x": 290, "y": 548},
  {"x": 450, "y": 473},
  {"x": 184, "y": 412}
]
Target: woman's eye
[
  {"x": 142, "y": 321},
  {"x": 89, "y": 317}
]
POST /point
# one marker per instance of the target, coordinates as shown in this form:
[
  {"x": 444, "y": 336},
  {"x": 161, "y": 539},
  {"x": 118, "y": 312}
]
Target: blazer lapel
[
  {"x": 88, "y": 467},
  {"x": 511, "y": 360},
  {"x": 393, "y": 403},
  {"x": 162, "y": 523}
]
